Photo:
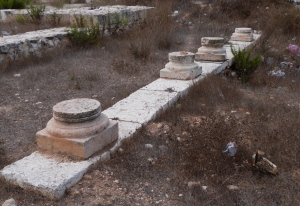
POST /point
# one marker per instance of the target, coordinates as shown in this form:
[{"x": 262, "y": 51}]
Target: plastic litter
[
  {"x": 231, "y": 147},
  {"x": 286, "y": 65},
  {"x": 278, "y": 73},
  {"x": 294, "y": 49},
  {"x": 4, "y": 33},
  {"x": 263, "y": 163}
]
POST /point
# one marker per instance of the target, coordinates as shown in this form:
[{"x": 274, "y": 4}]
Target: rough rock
[{"x": 10, "y": 202}]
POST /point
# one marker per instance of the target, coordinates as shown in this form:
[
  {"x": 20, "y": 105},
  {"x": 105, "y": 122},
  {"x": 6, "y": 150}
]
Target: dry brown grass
[
  {"x": 154, "y": 33},
  {"x": 204, "y": 122}
]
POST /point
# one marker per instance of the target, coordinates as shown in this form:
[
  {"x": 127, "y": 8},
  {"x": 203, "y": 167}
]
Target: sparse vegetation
[
  {"x": 21, "y": 19},
  {"x": 244, "y": 64},
  {"x": 36, "y": 12},
  {"x": 54, "y": 19},
  {"x": 85, "y": 32},
  {"x": 116, "y": 23}
]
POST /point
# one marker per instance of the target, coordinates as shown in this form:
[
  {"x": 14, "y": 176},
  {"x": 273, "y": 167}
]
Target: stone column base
[{"x": 78, "y": 147}]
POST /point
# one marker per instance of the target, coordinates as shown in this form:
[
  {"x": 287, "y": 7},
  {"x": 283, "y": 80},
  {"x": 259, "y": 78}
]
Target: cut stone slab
[
  {"x": 126, "y": 131},
  {"x": 168, "y": 85},
  {"x": 212, "y": 67},
  {"x": 44, "y": 174},
  {"x": 141, "y": 106}
]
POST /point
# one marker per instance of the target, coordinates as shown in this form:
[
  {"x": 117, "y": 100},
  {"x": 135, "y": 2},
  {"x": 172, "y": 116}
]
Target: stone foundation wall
[
  {"x": 35, "y": 43},
  {"x": 30, "y": 44}
]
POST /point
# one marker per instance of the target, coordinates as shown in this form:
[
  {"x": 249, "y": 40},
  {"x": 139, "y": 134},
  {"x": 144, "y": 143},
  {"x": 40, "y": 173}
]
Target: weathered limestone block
[
  {"x": 20, "y": 46},
  {"x": 78, "y": 128},
  {"x": 181, "y": 66},
  {"x": 211, "y": 49},
  {"x": 242, "y": 34}
]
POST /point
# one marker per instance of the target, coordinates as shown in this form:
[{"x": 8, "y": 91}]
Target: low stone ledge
[{"x": 21, "y": 46}]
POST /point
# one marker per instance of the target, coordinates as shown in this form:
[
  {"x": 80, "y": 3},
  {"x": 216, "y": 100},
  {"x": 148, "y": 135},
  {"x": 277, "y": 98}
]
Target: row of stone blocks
[
  {"x": 133, "y": 14},
  {"x": 37, "y": 43},
  {"x": 182, "y": 64},
  {"x": 81, "y": 131}
]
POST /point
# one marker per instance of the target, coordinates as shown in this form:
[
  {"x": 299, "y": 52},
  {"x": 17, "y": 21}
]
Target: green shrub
[
  {"x": 36, "y": 13},
  {"x": 85, "y": 32},
  {"x": 21, "y": 19},
  {"x": 116, "y": 23},
  {"x": 54, "y": 19},
  {"x": 13, "y": 4},
  {"x": 80, "y": 21},
  {"x": 244, "y": 65}
]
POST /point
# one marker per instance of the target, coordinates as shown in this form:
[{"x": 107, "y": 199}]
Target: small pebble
[{"x": 149, "y": 146}]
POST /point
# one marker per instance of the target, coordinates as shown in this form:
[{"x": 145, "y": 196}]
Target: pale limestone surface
[
  {"x": 212, "y": 67},
  {"x": 181, "y": 66},
  {"x": 77, "y": 110},
  {"x": 126, "y": 131},
  {"x": 141, "y": 106},
  {"x": 47, "y": 175},
  {"x": 242, "y": 34},
  {"x": 10, "y": 202},
  {"x": 170, "y": 85},
  {"x": 34, "y": 43},
  {"x": 44, "y": 174},
  {"x": 211, "y": 49},
  {"x": 132, "y": 12}
]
